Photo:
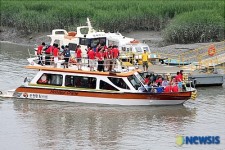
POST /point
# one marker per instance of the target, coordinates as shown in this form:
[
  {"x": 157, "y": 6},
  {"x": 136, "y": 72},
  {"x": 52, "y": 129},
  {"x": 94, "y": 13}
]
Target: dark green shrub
[{"x": 195, "y": 26}]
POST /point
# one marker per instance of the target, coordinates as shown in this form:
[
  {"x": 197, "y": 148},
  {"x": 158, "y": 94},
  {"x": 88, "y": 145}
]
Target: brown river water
[{"x": 46, "y": 125}]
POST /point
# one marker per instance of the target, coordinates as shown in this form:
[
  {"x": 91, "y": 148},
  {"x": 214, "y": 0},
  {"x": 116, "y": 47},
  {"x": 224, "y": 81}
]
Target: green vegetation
[
  {"x": 204, "y": 18},
  {"x": 195, "y": 26}
]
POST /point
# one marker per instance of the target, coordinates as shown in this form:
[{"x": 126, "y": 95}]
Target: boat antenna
[{"x": 90, "y": 28}]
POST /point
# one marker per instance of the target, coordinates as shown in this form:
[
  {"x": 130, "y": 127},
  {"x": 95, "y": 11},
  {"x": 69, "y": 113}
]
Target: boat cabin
[
  {"x": 87, "y": 36},
  {"x": 86, "y": 80}
]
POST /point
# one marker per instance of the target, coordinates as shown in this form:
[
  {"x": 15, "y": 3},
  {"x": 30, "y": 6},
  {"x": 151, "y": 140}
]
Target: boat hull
[
  {"x": 201, "y": 80},
  {"x": 102, "y": 97}
]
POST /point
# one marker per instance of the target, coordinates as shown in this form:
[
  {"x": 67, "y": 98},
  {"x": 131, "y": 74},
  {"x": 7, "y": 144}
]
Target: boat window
[
  {"x": 113, "y": 42},
  {"x": 146, "y": 48},
  {"x": 83, "y": 41},
  {"x": 50, "y": 79},
  {"x": 80, "y": 82},
  {"x": 138, "y": 49},
  {"x": 142, "y": 74},
  {"x": 106, "y": 86},
  {"x": 59, "y": 32},
  {"x": 119, "y": 82},
  {"x": 72, "y": 46},
  {"x": 134, "y": 81},
  {"x": 129, "y": 49},
  {"x": 140, "y": 77},
  {"x": 57, "y": 42},
  {"x": 95, "y": 41}
]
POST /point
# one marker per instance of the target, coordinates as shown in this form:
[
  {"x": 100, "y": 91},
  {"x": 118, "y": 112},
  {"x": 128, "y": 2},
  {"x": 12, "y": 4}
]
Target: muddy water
[{"x": 35, "y": 124}]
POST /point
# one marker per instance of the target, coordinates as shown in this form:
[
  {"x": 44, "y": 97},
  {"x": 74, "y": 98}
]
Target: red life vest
[{"x": 39, "y": 50}]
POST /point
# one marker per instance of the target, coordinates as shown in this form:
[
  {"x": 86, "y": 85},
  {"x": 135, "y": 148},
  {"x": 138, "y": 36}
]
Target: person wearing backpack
[{"x": 66, "y": 54}]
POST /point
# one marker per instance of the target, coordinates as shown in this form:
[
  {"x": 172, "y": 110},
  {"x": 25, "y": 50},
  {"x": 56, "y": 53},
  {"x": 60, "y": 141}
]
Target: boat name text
[
  {"x": 38, "y": 96},
  {"x": 60, "y": 92}
]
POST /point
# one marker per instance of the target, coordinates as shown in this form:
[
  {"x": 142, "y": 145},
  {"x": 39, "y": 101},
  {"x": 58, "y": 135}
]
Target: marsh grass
[
  {"x": 195, "y": 26},
  {"x": 111, "y": 15}
]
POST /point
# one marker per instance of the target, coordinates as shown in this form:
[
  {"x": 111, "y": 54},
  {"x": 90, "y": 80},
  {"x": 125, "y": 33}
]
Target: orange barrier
[{"x": 211, "y": 50}]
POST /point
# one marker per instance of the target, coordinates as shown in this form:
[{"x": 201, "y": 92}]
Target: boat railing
[
  {"x": 47, "y": 60},
  {"x": 30, "y": 54},
  {"x": 135, "y": 58}
]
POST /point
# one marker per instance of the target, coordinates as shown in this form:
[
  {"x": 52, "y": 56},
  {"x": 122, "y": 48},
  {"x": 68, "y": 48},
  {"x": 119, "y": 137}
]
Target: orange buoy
[
  {"x": 211, "y": 50},
  {"x": 72, "y": 33},
  {"x": 134, "y": 41}
]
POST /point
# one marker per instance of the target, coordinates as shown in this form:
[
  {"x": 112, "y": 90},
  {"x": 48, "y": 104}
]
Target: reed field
[{"x": 181, "y": 21}]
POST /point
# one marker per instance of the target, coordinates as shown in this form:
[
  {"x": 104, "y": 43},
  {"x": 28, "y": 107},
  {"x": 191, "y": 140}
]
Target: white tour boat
[
  {"x": 92, "y": 37},
  {"x": 73, "y": 85}
]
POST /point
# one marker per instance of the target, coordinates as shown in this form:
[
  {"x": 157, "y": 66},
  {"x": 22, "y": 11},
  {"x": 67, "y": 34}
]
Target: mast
[{"x": 90, "y": 28}]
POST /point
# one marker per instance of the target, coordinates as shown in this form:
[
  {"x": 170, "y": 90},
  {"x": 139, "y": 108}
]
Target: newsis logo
[{"x": 197, "y": 140}]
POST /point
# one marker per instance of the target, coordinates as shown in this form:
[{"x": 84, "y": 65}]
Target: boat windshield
[
  {"x": 138, "y": 49},
  {"x": 146, "y": 48},
  {"x": 95, "y": 41},
  {"x": 140, "y": 77},
  {"x": 134, "y": 81}
]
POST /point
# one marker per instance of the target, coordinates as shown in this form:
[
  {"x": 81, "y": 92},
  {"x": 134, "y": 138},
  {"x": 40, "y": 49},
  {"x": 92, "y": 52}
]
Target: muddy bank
[
  {"x": 157, "y": 44},
  {"x": 14, "y": 36},
  {"x": 152, "y": 38}
]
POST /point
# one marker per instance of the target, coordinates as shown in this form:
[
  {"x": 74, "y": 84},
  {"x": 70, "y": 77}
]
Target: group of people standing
[
  {"x": 51, "y": 51},
  {"x": 105, "y": 56}
]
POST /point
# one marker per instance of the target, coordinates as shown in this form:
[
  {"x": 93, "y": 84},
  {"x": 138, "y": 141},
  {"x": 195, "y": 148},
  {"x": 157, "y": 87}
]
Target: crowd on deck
[
  {"x": 158, "y": 83},
  {"x": 105, "y": 56}
]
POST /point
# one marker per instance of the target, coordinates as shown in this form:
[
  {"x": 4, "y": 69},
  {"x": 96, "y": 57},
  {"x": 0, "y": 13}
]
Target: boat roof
[{"x": 68, "y": 70}]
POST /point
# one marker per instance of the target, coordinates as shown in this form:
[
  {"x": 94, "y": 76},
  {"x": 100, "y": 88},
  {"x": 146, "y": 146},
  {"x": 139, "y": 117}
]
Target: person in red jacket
[
  {"x": 159, "y": 81},
  {"x": 181, "y": 75},
  {"x": 115, "y": 52},
  {"x": 115, "y": 55},
  {"x": 178, "y": 77},
  {"x": 39, "y": 53},
  {"x": 91, "y": 56},
  {"x": 175, "y": 88},
  {"x": 79, "y": 56},
  {"x": 100, "y": 58},
  {"x": 168, "y": 88},
  {"x": 146, "y": 80},
  {"x": 56, "y": 54},
  {"x": 48, "y": 55},
  {"x": 107, "y": 57}
]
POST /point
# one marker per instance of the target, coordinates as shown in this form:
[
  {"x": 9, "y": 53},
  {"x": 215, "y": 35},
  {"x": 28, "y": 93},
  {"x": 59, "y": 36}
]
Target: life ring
[
  {"x": 211, "y": 50},
  {"x": 25, "y": 95}
]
